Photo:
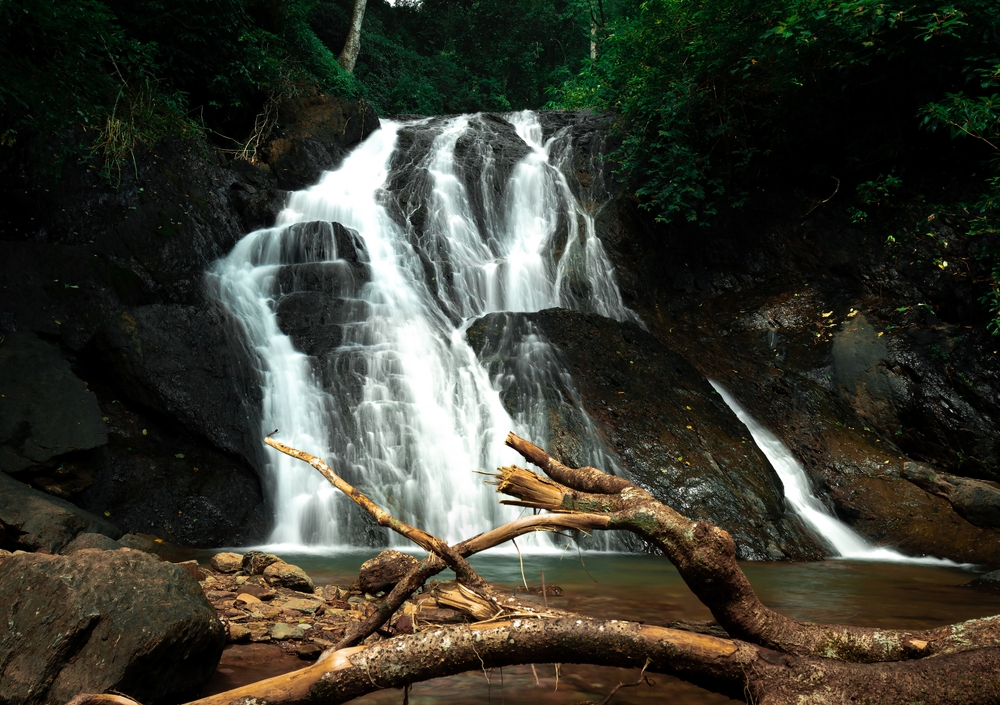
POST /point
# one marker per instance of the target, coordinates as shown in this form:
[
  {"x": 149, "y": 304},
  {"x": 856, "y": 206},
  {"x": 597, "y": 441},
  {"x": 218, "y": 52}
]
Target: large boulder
[
  {"x": 45, "y": 410},
  {"x": 657, "y": 416},
  {"x": 173, "y": 358},
  {"x": 34, "y": 521},
  {"x": 83, "y": 256},
  {"x": 101, "y": 620}
]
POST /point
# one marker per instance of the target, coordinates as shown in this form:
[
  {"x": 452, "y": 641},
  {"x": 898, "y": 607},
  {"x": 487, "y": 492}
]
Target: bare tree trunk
[
  {"x": 772, "y": 660},
  {"x": 352, "y": 47}
]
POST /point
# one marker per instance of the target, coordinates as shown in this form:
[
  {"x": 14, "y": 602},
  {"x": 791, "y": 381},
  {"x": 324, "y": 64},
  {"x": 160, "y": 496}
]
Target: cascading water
[
  {"x": 842, "y": 540},
  {"x": 361, "y": 341}
]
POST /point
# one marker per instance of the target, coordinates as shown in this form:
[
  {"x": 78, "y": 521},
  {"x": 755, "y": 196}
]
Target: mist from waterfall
[{"x": 400, "y": 406}]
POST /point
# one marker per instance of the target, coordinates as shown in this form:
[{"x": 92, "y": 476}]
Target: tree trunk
[{"x": 352, "y": 47}]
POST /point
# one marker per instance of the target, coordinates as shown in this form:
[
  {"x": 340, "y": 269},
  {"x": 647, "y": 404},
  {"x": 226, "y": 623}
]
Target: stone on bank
[{"x": 99, "y": 620}]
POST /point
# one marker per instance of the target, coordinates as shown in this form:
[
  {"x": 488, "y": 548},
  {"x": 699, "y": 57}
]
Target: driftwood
[{"x": 768, "y": 658}]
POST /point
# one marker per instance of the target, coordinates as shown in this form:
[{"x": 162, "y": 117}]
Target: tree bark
[{"x": 352, "y": 46}]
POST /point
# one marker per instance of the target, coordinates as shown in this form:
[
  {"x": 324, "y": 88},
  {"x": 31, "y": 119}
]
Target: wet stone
[{"x": 227, "y": 562}]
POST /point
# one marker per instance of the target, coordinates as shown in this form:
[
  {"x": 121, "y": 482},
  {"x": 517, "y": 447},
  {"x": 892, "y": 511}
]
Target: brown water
[{"x": 647, "y": 588}]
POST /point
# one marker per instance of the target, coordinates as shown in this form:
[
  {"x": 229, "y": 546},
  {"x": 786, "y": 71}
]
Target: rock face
[
  {"x": 862, "y": 355},
  {"x": 667, "y": 428},
  {"x": 316, "y": 133},
  {"x": 174, "y": 359},
  {"x": 34, "y": 521},
  {"x": 112, "y": 278},
  {"x": 45, "y": 410},
  {"x": 118, "y": 620},
  {"x": 318, "y": 298}
]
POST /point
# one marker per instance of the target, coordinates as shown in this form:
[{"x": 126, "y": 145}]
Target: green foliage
[
  {"x": 447, "y": 56},
  {"x": 135, "y": 71},
  {"x": 716, "y": 95},
  {"x": 878, "y": 190}
]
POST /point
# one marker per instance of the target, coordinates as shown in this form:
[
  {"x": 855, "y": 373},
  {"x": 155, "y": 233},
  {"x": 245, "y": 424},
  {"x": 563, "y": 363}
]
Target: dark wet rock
[
  {"x": 95, "y": 255},
  {"x": 485, "y": 157},
  {"x": 309, "y": 652},
  {"x": 659, "y": 417},
  {"x": 977, "y": 501},
  {"x": 117, "y": 620},
  {"x": 45, "y": 410},
  {"x": 831, "y": 343},
  {"x": 35, "y": 521},
  {"x": 155, "y": 477},
  {"x": 987, "y": 582},
  {"x": 316, "y": 133},
  {"x": 173, "y": 359},
  {"x": 382, "y": 572},
  {"x": 142, "y": 542},
  {"x": 88, "y": 540},
  {"x": 318, "y": 300},
  {"x": 315, "y": 322}
]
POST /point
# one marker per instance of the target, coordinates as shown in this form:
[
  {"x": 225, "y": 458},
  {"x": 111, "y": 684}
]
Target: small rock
[
  {"x": 192, "y": 567},
  {"x": 240, "y": 579},
  {"x": 404, "y": 625},
  {"x": 302, "y": 604},
  {"x": 332, "y": 592},
  {"x": 88, "y": 540},
  {"x": 261, "y": 592},
  {"x": 238, "y": 633},
  {"x": 254, "y": 562},
  {"x": 247, "y": 600},
  {"x": 384, "y": 570},
  {"x": 146, "y": 543},
  {"x": 309, "y": 652},
  {"x": 987, "y": 582},
  {"x": 289, "y": 576},
  {"x": 215, "y": 595},
  {"x": 227, "y": 562},
  {"x": 282, "y": 631}
]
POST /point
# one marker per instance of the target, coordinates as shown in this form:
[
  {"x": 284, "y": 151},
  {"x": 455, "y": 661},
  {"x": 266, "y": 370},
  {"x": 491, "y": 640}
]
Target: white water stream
[
  {"x": 842, "y": 540},
  {"x": 407, "y": 412}
]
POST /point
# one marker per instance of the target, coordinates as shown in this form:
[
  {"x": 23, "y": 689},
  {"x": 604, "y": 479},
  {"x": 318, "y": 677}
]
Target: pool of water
[{"x": 649, "y": 589}]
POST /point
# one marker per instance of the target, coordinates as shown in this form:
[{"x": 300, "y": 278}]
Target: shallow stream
[{"x": 648, "y": 588}]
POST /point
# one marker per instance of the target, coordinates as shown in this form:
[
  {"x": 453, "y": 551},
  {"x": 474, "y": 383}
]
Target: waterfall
[
  {"x": 840, "y": 539},
  {"x": 360, "y": 337}
]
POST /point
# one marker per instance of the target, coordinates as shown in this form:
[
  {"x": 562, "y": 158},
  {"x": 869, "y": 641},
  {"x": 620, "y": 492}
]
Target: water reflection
[{"x": 649, "y": 589}]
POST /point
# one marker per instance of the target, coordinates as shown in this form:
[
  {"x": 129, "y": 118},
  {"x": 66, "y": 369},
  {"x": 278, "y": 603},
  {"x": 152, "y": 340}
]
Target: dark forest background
[{"x": 713, "y": 100}]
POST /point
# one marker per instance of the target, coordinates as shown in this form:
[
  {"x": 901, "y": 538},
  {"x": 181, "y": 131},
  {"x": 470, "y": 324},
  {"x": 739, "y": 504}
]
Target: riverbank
[{"x": 641, "y": 588}]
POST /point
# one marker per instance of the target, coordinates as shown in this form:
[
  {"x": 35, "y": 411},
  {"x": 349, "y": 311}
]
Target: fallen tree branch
[
  {"x": 432, "y": 564},
  {"x": 705, "y": 557},
  {"x": 429, "y": 542},
  {"x": 730, "y": 667},
  {"x": 814, "y": 663}
]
